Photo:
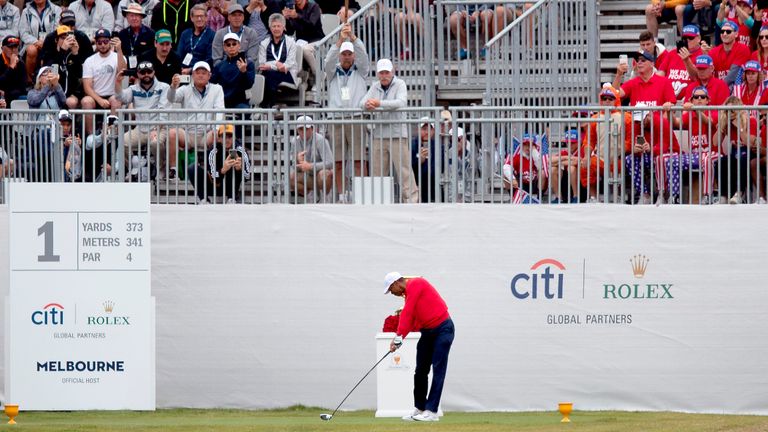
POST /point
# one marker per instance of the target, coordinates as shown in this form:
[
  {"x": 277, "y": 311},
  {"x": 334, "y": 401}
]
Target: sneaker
[
  {"x": 202, "y": 201},
  {"x": 463, "y": 54},
  {"x": 722, "y": 199},
  {"x": 736, "y": 198},
  {"x": 706, "y": 200},
  {"x": 230, "y": 201},
  {"x": 761, "y": 200},
  {"x": 592, "y": 200},
  {"x": 172, "y": 174},
  {"x": 674, "y": 199},
  {"x": 555, "y": 201},
  {"x": 574, "y": 200},
  {"x": 426, "y": 416},
  {"x": 410, "y": 416},
  {"x": 645, "y": 199},
  {"x": 660, "y": 200}
]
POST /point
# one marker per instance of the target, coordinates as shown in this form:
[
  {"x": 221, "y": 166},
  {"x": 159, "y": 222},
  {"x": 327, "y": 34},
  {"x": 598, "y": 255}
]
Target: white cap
[
  {"x": 347, "y": 46},
  {"x": 43, "y": 70},
  {"x": 459, "y": 132},
  {"x": 304, "y": 121},
  {"x": 424, "y": 121},
  {"x": 231, "y": 35},
  {"x": 391, "y": 278},
  {"x": 64, "y": 115},
  {"x": 384, "y": 65},
  {"x": 201, "y": 64}
]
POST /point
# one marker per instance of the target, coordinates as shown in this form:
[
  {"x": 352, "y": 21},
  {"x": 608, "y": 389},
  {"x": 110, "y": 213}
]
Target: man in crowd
[
  {"x": 303, "y": 22},
  {"x": 311, "y": 161},
  {"x": 664, "y": 11},
  {"x": 228, "y": 164},
  {"x": 172, "y": 15},
  {"x": 166, "y": 63},
  {"x": 346, "y": 69},
  {"x": 249, "y": 42},
  {"x": 674, "y": 66},
  {"x": 69, "y": 56},
  {"x": 37, "y": 19},
  {"x": 52, "y": 47},
  {"x": 92, "y": 15},
  {"x": 730, "y": 56},
  {"x": 12, "y": 71},
  {"x": 196, "y": 43},
  {"x": 423, "y": 156},
  {"x": 277, "y": 59},
  {"x": 135, "y": 37},
  {"x": 9, "y": 19},
  {"x": 121, "y": 20},
  {"x": 390, "y": 145},
  {"x": 99, "y": 74},
  {"x": 235, "y": 73},
  {"x": 717, "y": 88}
]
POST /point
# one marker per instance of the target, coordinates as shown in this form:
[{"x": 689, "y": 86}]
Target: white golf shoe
[
  {"x": 426, "y": 416},
  {"x": 410, "y": 416}
]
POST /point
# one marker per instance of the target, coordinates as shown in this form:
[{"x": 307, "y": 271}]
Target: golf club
[{"x": 327, "y": 417}]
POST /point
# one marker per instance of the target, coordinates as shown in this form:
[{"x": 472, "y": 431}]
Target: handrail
[
  {"x": 511, "y": 25},
  {"x": 335, "y": 31}
]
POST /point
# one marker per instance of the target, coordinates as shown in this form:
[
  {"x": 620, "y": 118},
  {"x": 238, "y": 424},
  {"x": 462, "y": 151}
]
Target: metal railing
[{"x": 477, "y": 154}]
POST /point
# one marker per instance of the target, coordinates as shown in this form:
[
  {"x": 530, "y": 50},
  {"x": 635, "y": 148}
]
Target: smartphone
[
  {"x": 682, "y": 43},
  {"x": 129, "y": 72},
  {"x": 290, "y": 4},
  {"x": 623, "y": 59},
  {"x": 640, "y": 140},
  {"x": 233, "y": 154},
  {"x": 184, "y": 79},
  {"x": 55, "y": 69}
]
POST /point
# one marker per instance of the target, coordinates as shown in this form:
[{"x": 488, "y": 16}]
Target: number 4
[{"x": 129, "y": 257}]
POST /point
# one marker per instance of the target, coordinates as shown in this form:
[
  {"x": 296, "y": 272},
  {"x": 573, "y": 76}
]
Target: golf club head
[{"x": 326, "y": 417}]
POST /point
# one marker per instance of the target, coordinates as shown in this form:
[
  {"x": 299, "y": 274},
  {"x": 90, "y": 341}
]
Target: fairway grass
[{"x": 308, "y": 419}]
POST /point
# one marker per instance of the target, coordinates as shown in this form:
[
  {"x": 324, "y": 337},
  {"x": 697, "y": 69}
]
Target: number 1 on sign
[{"x": 47, "y": 231}]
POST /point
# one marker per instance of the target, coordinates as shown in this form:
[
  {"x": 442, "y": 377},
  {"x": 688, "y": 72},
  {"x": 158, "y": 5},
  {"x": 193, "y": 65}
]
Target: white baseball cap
[
  {"x": 347, "y": 46},
  {"x": 389, "y": 279},
  {"x": 459, "y": 132},
  {"x": 201, "y": 64},
  {"x": 231, "y": 35},
  {"x": 424, "y": 121},
  {"x": 304, "y": 121},
  {"x": 384, "y": 65}
]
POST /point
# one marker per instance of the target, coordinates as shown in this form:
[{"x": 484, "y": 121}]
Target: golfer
[{"x": 424, "y": 311}]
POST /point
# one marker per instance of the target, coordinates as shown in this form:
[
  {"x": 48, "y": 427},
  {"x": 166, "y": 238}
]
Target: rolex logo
[
  {"x": 108, "y": 306},
  {"x": 639, "y": 265}
]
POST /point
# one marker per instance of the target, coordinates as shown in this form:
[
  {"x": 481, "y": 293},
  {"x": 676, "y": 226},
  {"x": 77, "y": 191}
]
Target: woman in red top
[
  {"x": 736, "y": 136},
  {"x": 761, "y": 53},
  {"x": 424, "y": 311}
]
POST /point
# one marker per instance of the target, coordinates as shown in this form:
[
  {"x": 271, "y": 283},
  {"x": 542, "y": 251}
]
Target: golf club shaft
[{"x": 361, "y": 380}]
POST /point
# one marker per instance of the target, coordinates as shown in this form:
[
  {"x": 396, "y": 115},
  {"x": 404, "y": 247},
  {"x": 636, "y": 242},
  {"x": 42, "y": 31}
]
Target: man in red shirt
[
  {"x": 717, "y": 88},
  {"x": 731, "y": 55},
  {"x": 424, "y": 311},
  {"x": 673, "y": 66}
]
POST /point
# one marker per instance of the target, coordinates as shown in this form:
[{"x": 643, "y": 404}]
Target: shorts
[
  {"x": 347, "y": 141},
  {"x": 667, "y": 15}
]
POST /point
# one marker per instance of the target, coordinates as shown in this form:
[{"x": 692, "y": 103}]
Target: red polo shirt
[
  {"x": 738, "y": 55},
  {"x": 717, "y": 88},
  {"x": 654, "y": 92},
  {"x": 424, "y": 308}
]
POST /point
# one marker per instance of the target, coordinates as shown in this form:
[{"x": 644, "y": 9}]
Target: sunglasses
[
  {"x": 230, "y": 44},
  {"x": 761, "y": 37},
  {"x": 102, "y": 41},
  {"x": 726, "y": 31},
  {"x": 145, "y": 72},
  {"x": 699, "y": 96},
  {"x": 607, "y": 98},
  {"x": 689, "y": 38}
]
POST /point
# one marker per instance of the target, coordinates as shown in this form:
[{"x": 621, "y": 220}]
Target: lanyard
[
  {"x": 279, "y": 52},
  {"x": 194, "y": 43},
  {"x": 229, "y": 28}
]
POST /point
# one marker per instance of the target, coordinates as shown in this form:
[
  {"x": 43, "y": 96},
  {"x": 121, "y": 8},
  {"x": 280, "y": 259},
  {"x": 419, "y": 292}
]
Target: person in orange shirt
[{"x": 664, "y": 11}]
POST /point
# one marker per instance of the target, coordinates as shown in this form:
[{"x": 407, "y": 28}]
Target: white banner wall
[{"x": 609, "y": 307}]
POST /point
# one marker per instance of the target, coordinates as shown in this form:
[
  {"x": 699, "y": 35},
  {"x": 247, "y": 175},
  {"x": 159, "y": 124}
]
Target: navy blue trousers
[{"x": 432, "y": 351}]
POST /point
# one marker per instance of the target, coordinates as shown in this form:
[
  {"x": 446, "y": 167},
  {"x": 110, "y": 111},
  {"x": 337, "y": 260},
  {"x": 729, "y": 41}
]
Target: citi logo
[
  {"x": 52, "y": 314},
  {"x": 545, "y": 278}
]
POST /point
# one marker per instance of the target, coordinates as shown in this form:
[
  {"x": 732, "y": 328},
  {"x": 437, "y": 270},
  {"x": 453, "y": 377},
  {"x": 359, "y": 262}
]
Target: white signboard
[{"x": 81, "y": 322}]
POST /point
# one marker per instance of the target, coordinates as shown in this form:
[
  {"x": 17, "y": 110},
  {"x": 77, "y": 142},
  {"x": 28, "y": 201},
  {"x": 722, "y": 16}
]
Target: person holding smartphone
[
  {"x": 311, "y": 162},
  {"x": 226, "y": 165},
  {"x": 235, "y": 73}
]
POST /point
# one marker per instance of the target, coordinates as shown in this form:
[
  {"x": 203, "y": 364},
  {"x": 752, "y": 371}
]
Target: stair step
[
  {"x": 623, "y": 6},
  {"x": 621, "y": 20}
]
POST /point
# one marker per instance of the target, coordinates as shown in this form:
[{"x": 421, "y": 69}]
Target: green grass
[{"x": 307, "y": 419}]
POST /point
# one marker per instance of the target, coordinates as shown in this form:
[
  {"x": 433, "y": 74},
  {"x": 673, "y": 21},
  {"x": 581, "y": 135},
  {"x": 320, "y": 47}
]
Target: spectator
[
  {"x": 389, "y": 146},
  {"x": 121, "y": 19},
  {"x": 346, "y": 69},
  {"x": 563, "y": 174},
  {"x": 9, "y": 20},
  {"x": 463, "y": 166},
  {"x": 47, "y": 93},
  {"x": 72, "y": 144},
  {"x": 165, "y": 62},
  {"x": 729, "y": 57},
  {"x": 257, "y": 16},
  {"x": 311, "y": 161},
  {"x": 490, "y": 20},
  {"x": 68, "y": 55},
  {"x": 200, "y": 95},
  {"x": 337, "y": 7},
  {"x": 648, "y": 90},
  {"x": 277, "y": 59},
  {"x": 172, "y": 15},
  {"x": 92, "y": 15},
  {"x": 52, "y": 48},
  {"x": 761, "y": 53},
  {"x": 150, "y": 135},
  {"x": 528, "y": 165},
  {"x": 216, "y": 12},
  {"x": 704, "y": 14},
  {"x": 701, "y": 126},
  {"x": 196, "y": 43},
  {"x": 228, "y": 165},
  {"x": 6, "y": 164},
  {"x": 751, "y": 90},
  {"x": 99, "y": 74},
  {"x": 664, "y": 11},
  {"x": 248, "y": 37},
  {"x": 758, "y": 168},
  {"x": 717, "y": 88},
  {"x": 37, "y": 19},
  {"x": 676, "y": 68},
  {"x": 135, "y": 36},
  {"x": 409, "y": 24},
  {"x": 740, "y": 13},
  {"x": 12, "y": 71},
  {"x": 423, "y": 156},
  {"x": 736, "y": 137},
  {"x": 303, "y": 22},
  {"x": 235, "y": 73},
  {"x": 648, "y": 43}
]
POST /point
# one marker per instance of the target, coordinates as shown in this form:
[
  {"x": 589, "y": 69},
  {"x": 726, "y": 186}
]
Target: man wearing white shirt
[
  {"x": 99, "y": 74},
  {"x": 92, "y": 15}
]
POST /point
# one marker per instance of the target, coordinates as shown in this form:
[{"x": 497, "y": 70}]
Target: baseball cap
[
  {"x": 62, "y": 29},
  {"x": 527, "y": 138},
  {"x": 572, "y": 136},
  {"x": 102, "y": 34},
  {"x": 384, "y": 65},
  {"x": 163, "y": 35},
  {"x": 145, "y": 65},
  {"x": 67, "y": 17},
  {"x": 231, "y": 35},
  {"x": 347, "y": 46},
  {"x": 752, "y": 65},
  {"x": 64, "y": 115},
  {"x": 201, "y": 64},
  {"x": 11, "y": 41},
  {"x": 731, "y": 24},
  {"x": 703, "y": 61},
  {"x": 691, "y": 30},
  {"x": 43, "y": 70},
  {"x": 389, "y": 279},
  {"x": 424, "y": 121},
  {"x": 446, "y": 116},
  {"x": 235, "y": 8},
  {"x": 459, "y": 132},
  {"x": 746, "y": 2},
  {"x": 303, "y": 122},
  {"x": 646, "y": 55},
  {"x": 700, "y": 89},
  {"x": 228, "y": 129}
]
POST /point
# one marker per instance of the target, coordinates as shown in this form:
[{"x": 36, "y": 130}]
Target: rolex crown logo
[
  {"x": 639, "y": 265},
  {"x": 108, "y": 306}
]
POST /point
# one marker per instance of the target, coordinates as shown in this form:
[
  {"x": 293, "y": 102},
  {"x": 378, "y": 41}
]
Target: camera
[{"x": 184, "y": 79}]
